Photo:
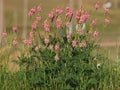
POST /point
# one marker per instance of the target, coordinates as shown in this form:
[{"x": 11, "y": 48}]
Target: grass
[{"x": 109, "y": 34}]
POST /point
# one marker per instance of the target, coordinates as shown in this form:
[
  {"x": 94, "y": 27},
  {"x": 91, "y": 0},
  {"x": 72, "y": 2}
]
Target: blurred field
[{"x": 109, "y": 36}]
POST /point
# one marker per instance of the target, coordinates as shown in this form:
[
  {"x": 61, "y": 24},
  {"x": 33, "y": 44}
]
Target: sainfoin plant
[{"x": 60, "y": 60}]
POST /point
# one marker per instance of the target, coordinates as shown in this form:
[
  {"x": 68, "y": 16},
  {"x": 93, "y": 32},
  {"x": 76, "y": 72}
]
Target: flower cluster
[
  {"x": 46, "y": 26},
  {"x": 82, "y": 16},
  {"x": 28, "y": 41},
  {"x": 60, "y": 20},
  {"x": 34, "y": 9},
  {"x": 58, "y": 23}
]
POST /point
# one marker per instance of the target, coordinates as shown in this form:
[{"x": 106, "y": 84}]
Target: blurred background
[{"x": 14, "y": 14}]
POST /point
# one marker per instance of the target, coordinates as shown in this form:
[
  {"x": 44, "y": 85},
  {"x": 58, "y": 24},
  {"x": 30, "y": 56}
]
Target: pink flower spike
[
  {"x": 25, "y": 41},
  {"x": 4, "y": 34},
  {"x": 14, "y": 28},
  {"x": 69, "y": 14},
  {"x": 87, "y": 15},
  {"x": 28, "y": 41},
  {"x": 33, "y": 10},
  {"x": 31, "y": 34},
  {"x": 34, "y": 26},
  {"x": 68, "y": 36},
  {"x": 97, "y": 6},
  {"x": 57, "y": 48},
  {"x": 39, "y": 8},
  {"x": 46, "y": 40},
  {"x": 51, "y": 15},
  {"x": 67, "y": 8},
  {"x": 94, "y": 22},
  {"x": 96, "y": 33},
  {"x": 79, "y": 12},
  {"x": 106, "y": 10},
  {"x": 67, "y": 24},
  {"x": 82, "y": 19},
  {"x": 36, "y": 48},
  {"x": 46, "y": 26},
  {"x": 15, "y": 42},
  {"x": 83, "y": 44},
  {"x": 74, "y": 42},
  {"x": 95, "y": 59},
  {"x": 59, "y": 11},
  {"x": 79, "y": 31},
  {"x": 30, "y": 14},
  {"x": 58, "y": 23},
  {"x": 107, "y": 21},
  {"x": 77, "y": 18},
  {"x": 90, "y": 32},
  {"x": 38, "y": 18}
]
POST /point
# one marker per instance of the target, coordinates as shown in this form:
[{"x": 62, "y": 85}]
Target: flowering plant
[{"x": 63, "y": 60}]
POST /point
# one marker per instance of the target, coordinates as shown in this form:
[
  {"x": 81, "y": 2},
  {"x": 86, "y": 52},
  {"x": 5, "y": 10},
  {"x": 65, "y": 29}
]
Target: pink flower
[
  {"x": 67, "y": 8},
  {"x": 14, "y": 28},
  {"x": 90, "y": 32},
  {"x": 33, "y": 10},
  {"x": 38, "y": 18},
  {"x": 46, "y": 40},
  {"x": 36, "y": 22},
  {"x": 94, "y": 22},
  {"x": 25, "y": 41},
  {"x": 77, "y": 18},
  {"x": 57, "y": 47},
  {"x": 28, "y": 41},
  {"x": 58, "y": 23},
  {"x": 79, "y": 31},
  {"x": 83, "y": 44},
  {"x": 74, "y": 42},
  {"x": 87, "y": 15},
  {"x": 82, "y": 16},
  {"x": 57, "y": 58},
  {"x": 15, "y": 42},
  {"x": 79, "y": 12},
  {"x": 51, "y": 15},
  {"x": 59, "y": 11},
  {"x": 39, "y": 8},
  {"x": 46, "y": 26},
  {"x": 36, "y": 48},
  {"x": 34, "y": 26},
  {"x": 31, "y": 34},
  {"x": 67, "y": 24},
  {"x": 82, "y": 19},
  {"x": 107, "y": 21},
  {"x": 30, "y": 14},
  {"x": 4, "y": 34},
  {"x": 106, "y": 10},
  {"x": 69, "y": 14},
  {"x": 95, "y": 59},
  {"x": 97, "y": 5},
  {"x": 68, "y": 36},
  {"x": 95, "y": 33}
]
